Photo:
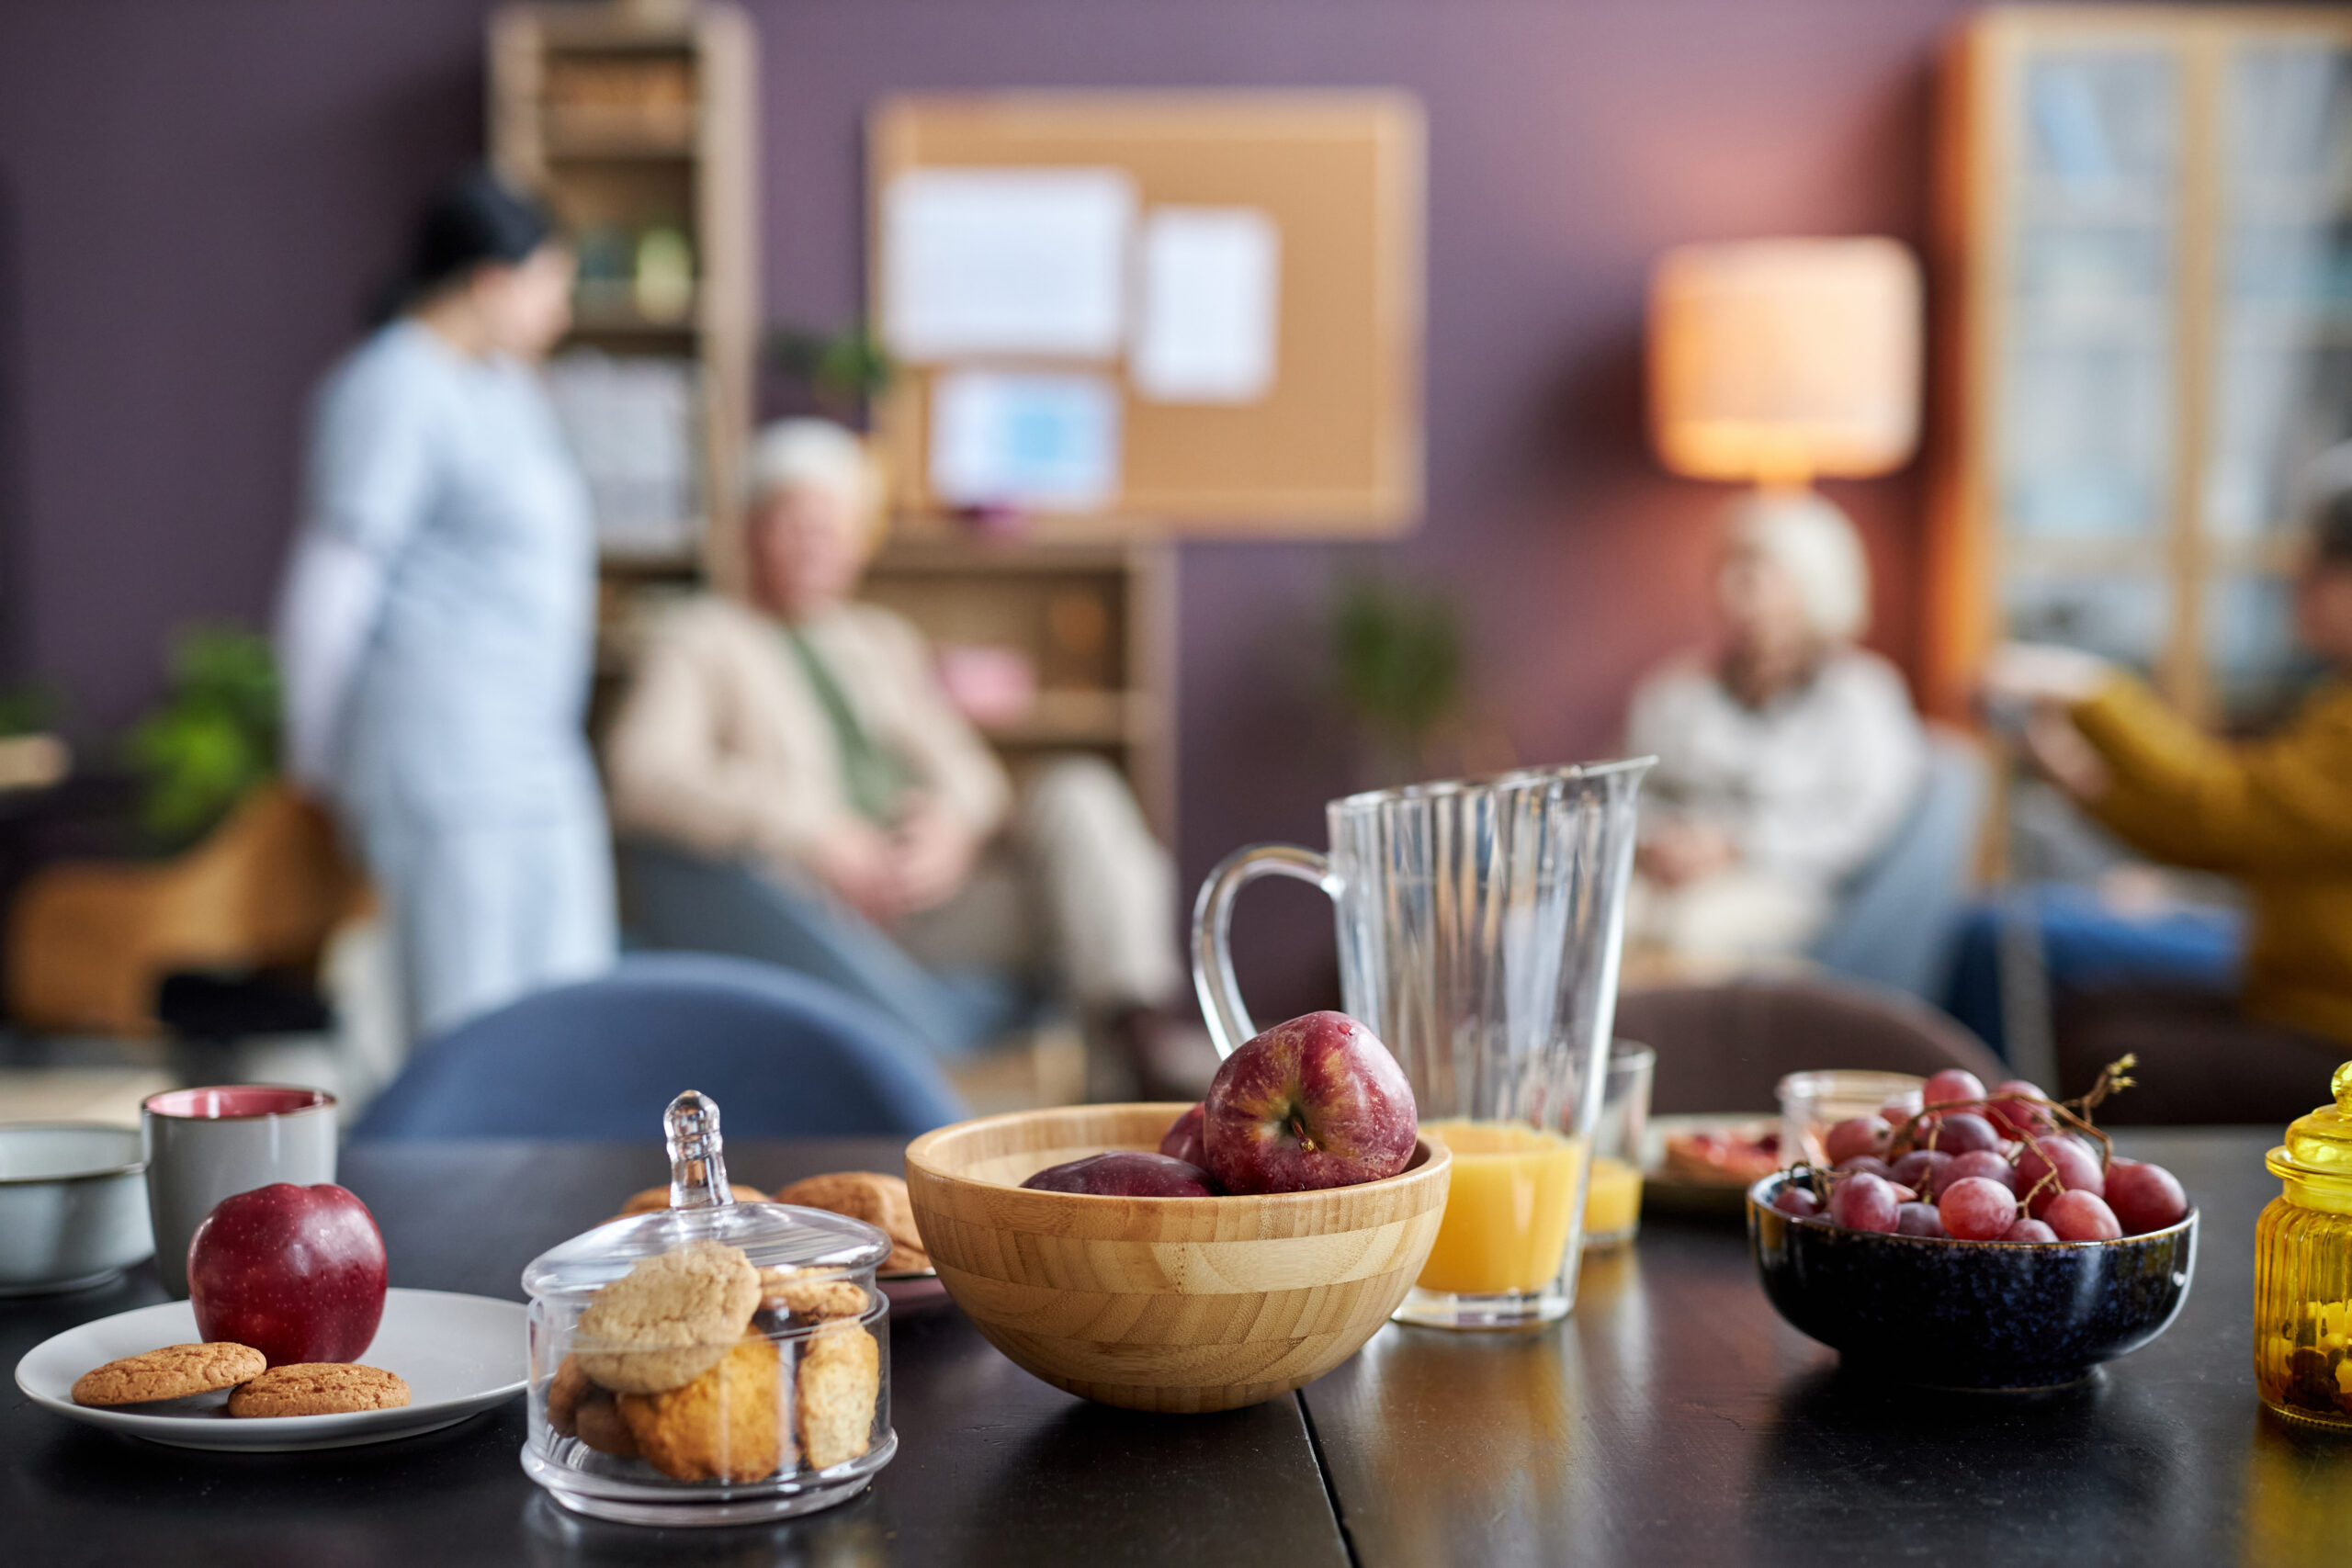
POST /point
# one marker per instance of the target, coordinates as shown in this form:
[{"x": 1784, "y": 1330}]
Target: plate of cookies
[{"x": 437, "y": 1357}]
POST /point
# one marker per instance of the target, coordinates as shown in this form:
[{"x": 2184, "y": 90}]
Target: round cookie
[
  {"x": 809, "y": 1292},
  {"x": 566, "y": 1390},
  {"x": 604, "y": 1428},
  {"x": 578, "y": 1408},
  {"x": 668, "y": 1320},
  {"x": 880, "y": 1201},
  {"x": 319, "y": 1388},
  {"x": 727, "y": 1424},
  {"x": 173, "y": 1373},
  {"x": 841, "y": 1378}
]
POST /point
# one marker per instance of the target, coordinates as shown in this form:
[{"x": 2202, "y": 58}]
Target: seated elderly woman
[
  {"x": 797, "y": 741},
  {"x": 1786, "y": 756},
  {"x": 2274, "y": 813}
]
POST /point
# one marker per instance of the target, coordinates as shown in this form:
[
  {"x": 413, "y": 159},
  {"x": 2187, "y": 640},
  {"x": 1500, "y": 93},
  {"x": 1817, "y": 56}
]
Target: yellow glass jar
[{"x": 2302, "y": 1270}]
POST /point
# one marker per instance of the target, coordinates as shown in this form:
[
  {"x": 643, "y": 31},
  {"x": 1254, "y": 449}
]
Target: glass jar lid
[
  {"x": 703, "y": 1208},
  {"x": 2321, "y": 1142}
]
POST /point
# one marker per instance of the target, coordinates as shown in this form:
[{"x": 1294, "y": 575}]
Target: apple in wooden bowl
[{"x": 1163, "y": 1303}]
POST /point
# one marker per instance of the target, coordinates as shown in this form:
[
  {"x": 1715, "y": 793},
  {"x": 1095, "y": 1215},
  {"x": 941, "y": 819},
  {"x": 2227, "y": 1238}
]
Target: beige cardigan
[{"x": 721, "y": 746}]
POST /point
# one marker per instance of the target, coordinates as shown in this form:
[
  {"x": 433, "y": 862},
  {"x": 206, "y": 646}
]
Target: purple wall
[
  {"x": 204, "y": 197},
  {"x": 204, "y": 193}
]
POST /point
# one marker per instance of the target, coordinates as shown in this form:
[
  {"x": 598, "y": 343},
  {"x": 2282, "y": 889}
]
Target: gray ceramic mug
[{"x": 204, "y": 1145}]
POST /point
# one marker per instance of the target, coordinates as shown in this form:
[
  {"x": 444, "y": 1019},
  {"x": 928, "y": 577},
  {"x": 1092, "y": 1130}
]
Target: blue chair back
[
  {"x": 1898, "y": 919},
  {"x": 784, "y": 1056}
]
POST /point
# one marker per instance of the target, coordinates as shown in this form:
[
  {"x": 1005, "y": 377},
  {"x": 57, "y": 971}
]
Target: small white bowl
[{"x": 72, "y": 1205}]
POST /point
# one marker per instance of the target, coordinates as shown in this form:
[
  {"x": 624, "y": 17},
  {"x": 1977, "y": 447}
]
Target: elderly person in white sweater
[
  {"x": 1787, "y": 756},
  {"x": 799, "y": 738}
]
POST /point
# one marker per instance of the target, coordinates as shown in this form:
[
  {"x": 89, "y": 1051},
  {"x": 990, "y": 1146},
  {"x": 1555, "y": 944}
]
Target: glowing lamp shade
[{"x": 1777, "y": 360}]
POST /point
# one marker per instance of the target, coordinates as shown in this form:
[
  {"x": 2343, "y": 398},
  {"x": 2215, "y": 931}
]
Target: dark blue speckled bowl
[{"x": 1969, "y": 1313}]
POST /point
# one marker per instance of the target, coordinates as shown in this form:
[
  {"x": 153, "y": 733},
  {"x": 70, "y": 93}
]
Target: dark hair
[
  {"x": 474, "y": 221},
  {"x": 2332, "y": 530}
]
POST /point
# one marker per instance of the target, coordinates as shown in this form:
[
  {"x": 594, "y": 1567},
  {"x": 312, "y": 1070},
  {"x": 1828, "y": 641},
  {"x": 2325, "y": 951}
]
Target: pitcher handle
[{"x": 1213, "y": 976}]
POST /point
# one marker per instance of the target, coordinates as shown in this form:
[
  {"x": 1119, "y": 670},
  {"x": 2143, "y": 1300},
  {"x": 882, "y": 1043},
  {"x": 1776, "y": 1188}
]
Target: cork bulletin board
[{"x": 1333, "y": 446}]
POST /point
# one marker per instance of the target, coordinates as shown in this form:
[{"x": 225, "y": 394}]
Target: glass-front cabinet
[{"x": 2146, "y": 248}]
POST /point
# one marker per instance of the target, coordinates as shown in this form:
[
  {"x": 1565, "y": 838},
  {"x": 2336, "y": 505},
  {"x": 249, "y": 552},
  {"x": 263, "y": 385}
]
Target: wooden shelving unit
[
  {"x": 2144, "y": 220},
  {"x": 628, "y": 116}
]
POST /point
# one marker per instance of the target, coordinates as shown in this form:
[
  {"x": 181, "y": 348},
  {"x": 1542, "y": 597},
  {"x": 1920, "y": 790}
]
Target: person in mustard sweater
[{"x": 2273, "y": 813}]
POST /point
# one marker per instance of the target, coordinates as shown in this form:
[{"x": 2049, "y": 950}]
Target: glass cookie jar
[
  {"x": 2302, "y": 1270},
  {"x": 716, "y": 1362}
]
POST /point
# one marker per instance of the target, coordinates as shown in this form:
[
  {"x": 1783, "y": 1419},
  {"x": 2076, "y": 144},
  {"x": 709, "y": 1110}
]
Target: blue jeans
[
  {"x": 2089, "y": 948},
  {"x": 677, "y": 901}
]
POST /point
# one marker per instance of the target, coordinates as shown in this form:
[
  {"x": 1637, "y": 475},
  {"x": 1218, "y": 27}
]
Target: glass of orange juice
[
  {"x": 1479, "y": 925},
  {"x": 1508, "y": 1215},
  {"x": 1612, "y": 1199}
]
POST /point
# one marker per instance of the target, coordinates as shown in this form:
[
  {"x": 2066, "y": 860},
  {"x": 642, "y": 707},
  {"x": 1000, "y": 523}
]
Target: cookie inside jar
[{"x": 715, "y": 1361}]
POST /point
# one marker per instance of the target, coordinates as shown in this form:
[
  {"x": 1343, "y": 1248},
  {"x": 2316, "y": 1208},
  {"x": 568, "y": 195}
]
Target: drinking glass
[
  {"x": 1480, "y": 923},
  {"x": 1812, "y": 1102},
  {"x": 1612, "y": 1199}
]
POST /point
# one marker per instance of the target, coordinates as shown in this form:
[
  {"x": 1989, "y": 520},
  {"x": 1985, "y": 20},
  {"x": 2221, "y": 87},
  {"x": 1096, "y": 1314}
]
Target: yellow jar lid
[{"x": 2321, "y": 1142}]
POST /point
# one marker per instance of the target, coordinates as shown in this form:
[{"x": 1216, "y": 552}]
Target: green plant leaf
[
  {"x": 846, "y": 371},
  {"x": 214, "y": 735},
  {"x": 1397, "y": 650}
]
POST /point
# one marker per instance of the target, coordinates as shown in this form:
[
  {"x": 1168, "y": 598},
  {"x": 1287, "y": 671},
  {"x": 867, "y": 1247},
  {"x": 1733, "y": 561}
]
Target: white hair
[
  {"x": 814, "y": 452},
  {"x": 1815, "y": 544}
]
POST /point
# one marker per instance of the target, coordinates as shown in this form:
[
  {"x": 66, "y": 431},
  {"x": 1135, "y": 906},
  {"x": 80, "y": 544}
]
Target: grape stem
[
  {"x": 1819, "y": 1181},
  {"x": 2075, "y": 1114}
]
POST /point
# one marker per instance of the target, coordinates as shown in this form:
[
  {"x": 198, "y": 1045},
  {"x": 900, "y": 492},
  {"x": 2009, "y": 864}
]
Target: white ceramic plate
[{"x": 459, "y": 1355}]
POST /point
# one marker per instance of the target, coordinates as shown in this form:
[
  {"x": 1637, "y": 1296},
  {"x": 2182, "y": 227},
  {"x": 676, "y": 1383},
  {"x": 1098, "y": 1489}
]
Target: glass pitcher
[
  {"x": 2302, "y": 1270},
  {"x": 1480, "y": 923}
]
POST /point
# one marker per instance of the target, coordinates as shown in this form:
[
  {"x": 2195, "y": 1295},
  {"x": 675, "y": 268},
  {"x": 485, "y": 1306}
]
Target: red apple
[
  {"x": 1122, "y": 1174},
  {"x": 1312, "y": 1103},
  {"x": 1183, "y": 1140},
  {"x": 295, "y": 1272}
]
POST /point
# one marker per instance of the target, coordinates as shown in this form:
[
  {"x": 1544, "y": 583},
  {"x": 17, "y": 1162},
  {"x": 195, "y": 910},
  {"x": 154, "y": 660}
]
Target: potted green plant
[
  {"x": 1397, "y": 655},
  {"x": 844, "y": 371}
]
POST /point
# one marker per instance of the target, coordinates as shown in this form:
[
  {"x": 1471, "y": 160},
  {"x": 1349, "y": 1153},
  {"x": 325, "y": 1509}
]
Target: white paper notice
[
  {"x": 1208, "y": 317},
  {"x": 1006, "y": 261},
  {"x": 1036, "y": 441}
]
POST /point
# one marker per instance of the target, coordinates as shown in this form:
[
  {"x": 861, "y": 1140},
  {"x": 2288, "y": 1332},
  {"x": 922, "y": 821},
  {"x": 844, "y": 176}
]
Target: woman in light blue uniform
[{"x": 438, "y": 617}]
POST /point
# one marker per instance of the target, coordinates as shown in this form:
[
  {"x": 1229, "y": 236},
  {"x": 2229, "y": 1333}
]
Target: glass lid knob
[
  {"x": 2321, "y": 1142},
  {"x": 697, "y": 1169}
]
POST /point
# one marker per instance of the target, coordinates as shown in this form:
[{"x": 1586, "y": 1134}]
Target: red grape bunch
[{"x": 2010, "y": 1165}]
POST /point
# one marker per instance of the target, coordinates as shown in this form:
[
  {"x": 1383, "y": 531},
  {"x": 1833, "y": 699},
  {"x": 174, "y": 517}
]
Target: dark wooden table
[{"x": 1673, "y": 1420}]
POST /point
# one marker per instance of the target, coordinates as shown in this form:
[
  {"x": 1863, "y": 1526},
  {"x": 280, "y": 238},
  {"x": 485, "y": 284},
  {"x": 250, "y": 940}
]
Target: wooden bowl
[{"x": 1162, "y": 1303}]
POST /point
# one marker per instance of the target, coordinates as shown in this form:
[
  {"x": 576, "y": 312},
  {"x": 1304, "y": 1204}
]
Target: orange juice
[
  {"x": 1506, "y": 1213},
  {"x": 1612, "y": 1198}
]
